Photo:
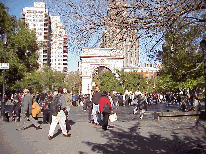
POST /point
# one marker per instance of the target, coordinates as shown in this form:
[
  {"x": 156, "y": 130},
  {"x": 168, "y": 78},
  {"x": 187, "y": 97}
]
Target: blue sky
[{"x": 16, "y": 7}]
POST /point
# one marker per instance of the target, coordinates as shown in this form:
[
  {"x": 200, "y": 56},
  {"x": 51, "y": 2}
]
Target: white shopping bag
[{"x": 113, "y": 117}]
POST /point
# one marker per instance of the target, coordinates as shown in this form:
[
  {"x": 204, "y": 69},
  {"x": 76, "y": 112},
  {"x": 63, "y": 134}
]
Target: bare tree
[{"x": 90, "y": 21}]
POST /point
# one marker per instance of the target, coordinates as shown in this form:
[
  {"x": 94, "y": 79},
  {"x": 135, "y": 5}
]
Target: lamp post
[
  {"x": 203, "y": 46},
  {"x": 88, "y": 89},
  {"x": 5, "y": 43}
]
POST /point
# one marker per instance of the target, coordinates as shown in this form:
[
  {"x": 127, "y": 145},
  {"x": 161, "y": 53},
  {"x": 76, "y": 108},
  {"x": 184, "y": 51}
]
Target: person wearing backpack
[
  {"x": 58, "y": 109},
  {"x": 105, "y": 108}
]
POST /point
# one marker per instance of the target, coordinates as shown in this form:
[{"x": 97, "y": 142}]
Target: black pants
[
  {"x": 85, "y": 106},
  {"x": 90, "y": 114},
  {"x": 17, "y": 112},
  {"x": 46, "y": 116},
  {"x": 105, "y": 120}
]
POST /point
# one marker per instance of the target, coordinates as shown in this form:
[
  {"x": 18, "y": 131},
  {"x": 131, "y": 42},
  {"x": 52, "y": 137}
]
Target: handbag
[
  {"x": 113, "y": 117},
  {"x": 106, "y": 108}
]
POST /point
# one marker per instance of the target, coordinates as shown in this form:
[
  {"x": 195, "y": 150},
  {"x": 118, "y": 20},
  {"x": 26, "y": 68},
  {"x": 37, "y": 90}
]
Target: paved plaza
[{"x": 127, "y": 135}]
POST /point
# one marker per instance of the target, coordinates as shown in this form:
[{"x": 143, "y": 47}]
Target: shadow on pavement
[
  {"x": 121, "y": 141},
  {"x": 71, "y": 122},
  {"x": 59, "y": 131},
  {"x": 199, "y": 124},
  {"x": 32, "y": 125}
]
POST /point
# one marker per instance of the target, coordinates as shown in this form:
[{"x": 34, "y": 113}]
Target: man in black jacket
[
  {"x": 17, "y": 109},
  {"x": 58, "y": 116}
]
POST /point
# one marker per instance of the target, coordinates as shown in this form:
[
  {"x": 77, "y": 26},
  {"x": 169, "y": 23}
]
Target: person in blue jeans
[
  {"x": 85, "y": 99},
  {"x": 115, "y": 101},
  {"x": 95, "y": 111}
]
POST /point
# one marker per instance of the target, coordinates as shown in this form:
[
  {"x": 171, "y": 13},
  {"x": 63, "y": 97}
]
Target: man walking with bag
[{"x": 58, "y": 109}]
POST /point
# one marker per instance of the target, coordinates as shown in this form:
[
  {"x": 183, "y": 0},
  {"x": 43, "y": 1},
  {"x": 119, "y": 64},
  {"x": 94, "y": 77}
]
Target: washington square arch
[{"x": 94, "y": 60}]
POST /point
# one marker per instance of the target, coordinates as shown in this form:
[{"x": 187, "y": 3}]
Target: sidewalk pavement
[{"x": 128, "y": 136}]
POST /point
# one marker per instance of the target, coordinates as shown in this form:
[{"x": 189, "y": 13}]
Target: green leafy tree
[
  {"x": 45, "y": 79},
  {"x": 165, "y": 83},
  {"x": 73, "y": 81},
  {"x": 182, "y": 63},
  {"x": 109, "y": 82},
  {"x": 132, "y": 81},
  {"x": 7, "y": 22},
  {"x": 122, "y": 81},
  {"x": 21, "y": 50}
]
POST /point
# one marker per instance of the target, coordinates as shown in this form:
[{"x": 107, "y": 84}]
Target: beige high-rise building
[
  {"x": 59, "y": 51},
  {"x": 39, "y": 20},
  {"x": 118, "y": 35},
  {"x": 50, "y": 31}
]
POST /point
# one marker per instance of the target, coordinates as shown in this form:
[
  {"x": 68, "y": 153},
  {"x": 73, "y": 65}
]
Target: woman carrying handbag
[{"x": 105, "y": 108}]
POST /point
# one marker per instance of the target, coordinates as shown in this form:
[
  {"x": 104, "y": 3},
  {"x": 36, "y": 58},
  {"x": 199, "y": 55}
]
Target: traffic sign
[{"x": 4, "y": 65}]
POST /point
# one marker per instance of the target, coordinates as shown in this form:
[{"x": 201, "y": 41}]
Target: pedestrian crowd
[{"x": 56, "y": 105}]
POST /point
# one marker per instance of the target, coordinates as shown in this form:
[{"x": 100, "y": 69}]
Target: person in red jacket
[{"x": 103, "y": 101}]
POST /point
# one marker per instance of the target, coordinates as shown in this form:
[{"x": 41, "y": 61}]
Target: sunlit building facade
[
  {"x": 118, "y": 36},
  {"x": 59, "y": 51},
  {"x": 50, "y": 33}
]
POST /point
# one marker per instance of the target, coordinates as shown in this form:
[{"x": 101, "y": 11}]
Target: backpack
[
  {"x": 55, "y": 106},
  {"x": 106, "y": 108}
]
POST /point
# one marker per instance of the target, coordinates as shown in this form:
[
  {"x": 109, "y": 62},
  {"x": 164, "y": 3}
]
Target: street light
[
  {"x": 88, "y": 89},
  {"x": 203, "y": 46},
  {"x": 5, "y": 43}
]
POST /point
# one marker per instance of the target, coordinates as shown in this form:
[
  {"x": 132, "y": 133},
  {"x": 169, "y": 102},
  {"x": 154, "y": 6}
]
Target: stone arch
[
  {"x": 94, "y": 61},
  {"x": 99, "y": 70}
]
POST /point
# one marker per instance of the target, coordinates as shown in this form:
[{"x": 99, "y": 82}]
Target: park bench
[
  {"x": 8, "y": 112},
  {"x": 175, "y": 115}
]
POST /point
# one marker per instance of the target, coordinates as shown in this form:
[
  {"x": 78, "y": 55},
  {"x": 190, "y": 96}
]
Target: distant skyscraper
[
  {"x": 38, "y": 19},
  {"x": 59, "y": 51},
  {"x": 118, "y": 35},
  {"x": 54, "y": 51}
]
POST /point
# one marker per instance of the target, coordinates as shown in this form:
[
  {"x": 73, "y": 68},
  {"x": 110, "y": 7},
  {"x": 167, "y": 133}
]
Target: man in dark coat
[
  {"x": 95, "y": 101},
  {"x": 26, "y": 110},
  {"x": 17, "y": 109},
  {"x": 142, "y": 107},
  {"x": 58, "y": 116}
]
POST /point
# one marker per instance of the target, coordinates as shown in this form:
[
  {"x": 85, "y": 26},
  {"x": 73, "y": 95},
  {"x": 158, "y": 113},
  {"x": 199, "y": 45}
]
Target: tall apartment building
[
  {"x": 118, "y": 35},
  {"x": 59, "y": 51},
  {"x": 39, "y": 20},
  {"x": 54, "y": 50}
]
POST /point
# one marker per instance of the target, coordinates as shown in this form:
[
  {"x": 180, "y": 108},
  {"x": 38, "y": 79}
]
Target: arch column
[{"x": 86, "y": 84}]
